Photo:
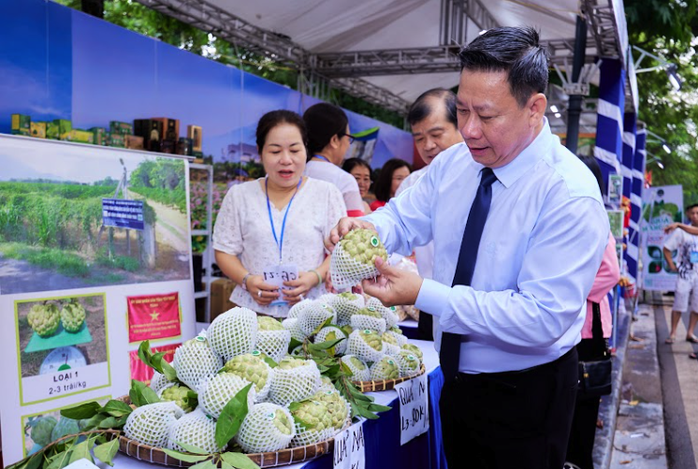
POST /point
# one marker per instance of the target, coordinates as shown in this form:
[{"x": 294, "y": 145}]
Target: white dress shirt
[
  {"x": 345, "y": 182},
  {"x": 540, "y": 250},
  {"x": 424, "y": 255}
]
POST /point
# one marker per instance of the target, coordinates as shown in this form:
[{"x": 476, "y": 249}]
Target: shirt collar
[{"x": 525, "y": 160}]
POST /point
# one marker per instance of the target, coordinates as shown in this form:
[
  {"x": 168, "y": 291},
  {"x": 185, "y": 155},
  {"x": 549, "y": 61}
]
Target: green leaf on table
[
  {"x": 61, "y": 460},
  {"x": 324, "y": 345},
  {"x": 34, "y": 462},
  {"x": 193, "y": 449},
  {"x": 204, "y": 465},
  {"x": 239, "y": 460},
  {"x": 146, "y": 355},
  {"x": 225, "y": 465},
  {"x": 82, "y": 411},
  {"x": 117, "y": 408},
  {"x": 231, "y": 417},
  {"x": 293, "y": 344},
  {"x": 94, "y": 422},
  {"x": 378, "y": 408},
  {"x": 141, "y": 394},
  {"x": 169, "y": 371},
  {"x": 106, "y": 451},
  {"x": 326, "y": 323},
  {"x": 109, "y": 422},
  {"x": 269, "y": 361},
  {"x": 81, "y": 451},
  {"x": 345, "y": 368},
  {"x": 185, "y": 457}
]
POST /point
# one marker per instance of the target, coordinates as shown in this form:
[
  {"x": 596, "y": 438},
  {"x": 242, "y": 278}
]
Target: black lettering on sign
[
  {"x": 406, "y": 395},
  {"x": 358, "y": 441}
]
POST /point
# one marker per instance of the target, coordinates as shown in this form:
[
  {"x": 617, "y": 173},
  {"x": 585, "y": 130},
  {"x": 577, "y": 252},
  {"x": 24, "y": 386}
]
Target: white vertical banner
[
  {"x": 95, "y": 257},
  {"x": 661, "y": 206}
]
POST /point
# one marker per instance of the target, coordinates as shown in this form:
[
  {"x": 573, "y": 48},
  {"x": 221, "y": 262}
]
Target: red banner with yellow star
[{"x": 153, "y": 317}]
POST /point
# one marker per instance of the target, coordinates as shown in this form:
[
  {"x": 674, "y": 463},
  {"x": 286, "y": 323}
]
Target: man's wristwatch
[{"x": 244, "y": 280}]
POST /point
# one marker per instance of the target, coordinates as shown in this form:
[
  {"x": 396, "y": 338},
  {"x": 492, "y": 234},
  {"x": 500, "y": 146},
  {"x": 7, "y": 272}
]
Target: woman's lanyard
[
  {"x": 320, "y": 157},
  {"x": 279, "y": 242}
]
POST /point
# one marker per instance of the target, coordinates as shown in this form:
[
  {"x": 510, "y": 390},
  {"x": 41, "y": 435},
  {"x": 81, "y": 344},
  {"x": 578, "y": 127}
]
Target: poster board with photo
[{"x": 74, "y": 283}]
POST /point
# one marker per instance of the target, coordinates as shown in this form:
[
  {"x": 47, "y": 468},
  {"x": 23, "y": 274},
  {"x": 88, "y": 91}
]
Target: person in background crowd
[
  {"x": 586, "y": 410},
  {"x": 519, "y": 232},
  {"x": 391, "y": 175},
  {"x": 281, "y": 219},
  {"x": 362, "y": 173},
  {"x": 685, "y": 241},
  {"x": 434, "y": 128},
  {"x": 328, "y": 142}
]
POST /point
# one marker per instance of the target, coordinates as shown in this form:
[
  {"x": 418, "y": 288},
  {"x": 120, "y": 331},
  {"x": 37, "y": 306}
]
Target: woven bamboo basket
[
  {"x": 385, "y": 384},
  {"x": 282, "y": 457}
]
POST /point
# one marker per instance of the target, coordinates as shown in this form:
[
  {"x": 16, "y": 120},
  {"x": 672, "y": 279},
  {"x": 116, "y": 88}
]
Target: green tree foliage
[
  {"x": 162, "y": 180},
  {"x": 667, "y": 28}
]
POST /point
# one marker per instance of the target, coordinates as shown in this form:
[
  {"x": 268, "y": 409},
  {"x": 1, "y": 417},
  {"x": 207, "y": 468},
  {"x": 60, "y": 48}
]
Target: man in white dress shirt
[
  {"x": 542, "y": 230},
  {"x": 434, "y": 124}
]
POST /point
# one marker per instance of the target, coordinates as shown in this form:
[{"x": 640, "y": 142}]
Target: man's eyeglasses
[{"x": 351, "y": 137}]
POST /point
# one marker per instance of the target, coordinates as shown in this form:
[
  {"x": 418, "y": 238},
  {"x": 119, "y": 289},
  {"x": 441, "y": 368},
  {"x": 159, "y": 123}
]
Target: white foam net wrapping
[
  {"x": 195, "y": 360},
  {"x": 346, "y": 271},
  {"x": 294, "y": 384},
  {"x": 194, "y": 429},
  {"x": 216, "y": 391},
  {"x": 338, "y": 407},
  {"x": 233, "y": 332},
  {"x": 326, "y": 384},
  {"x": 252, "y": 367},
  {"x": 294, "y": 327},
  {"x": 359, "y": 346},
  {"x": 314, "y": 316},
  {"x": 388, "y": 313},
  {"x": 413, "y": 349},
  {"x": 273, "y": 344},
  {"x": 360, "y": 370},
  {"x": 267, "y": 427},
  {"x": 158, "y": 382},
  {"x": 150, "y": 424},
  {"x": 390, "y": 349},
  {"x": 361, "y": 321},
  {"x": 408, "y": 363},
  {"x": 322, "y": 336},
  {"x": 345, "y": 305},
  {"x": 385, "y": 368},
  {"x": 298, "y": 307},
  {"x": 401, "y": 339}
]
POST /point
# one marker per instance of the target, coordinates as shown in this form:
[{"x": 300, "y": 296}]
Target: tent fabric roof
[{"x": 333, "y": 26}]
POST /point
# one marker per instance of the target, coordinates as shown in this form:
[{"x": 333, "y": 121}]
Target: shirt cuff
[{"x": 432, "y": 297}]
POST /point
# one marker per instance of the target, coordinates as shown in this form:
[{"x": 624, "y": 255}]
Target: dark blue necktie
[{"x": 450, "y": 343}]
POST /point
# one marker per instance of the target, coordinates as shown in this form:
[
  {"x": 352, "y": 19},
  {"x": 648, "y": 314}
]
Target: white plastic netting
[
  {"x": 360, "y": 321},
  {"x": 233, "y": 332},
  {"x": 407, "y": 362},
  {"x": 358, "y": 367},
  {"x": 150, "y": 424},
  {"x": 296, "y": 309},
  {"x": 273, "y": 344},
  {"x": 195, "y": 360},
  {"x": 294, "y": 327},
  {"x": 326, "y": 334},
  {"x": 338, "y": 408},
  {"x": 345, "y": 305},
  {"x": 194, "y": 429},
  {"x": 401, "y": 339},
  {"x": 385, "y": 368},
  {"x": 158, "y": 381},
  {"x": 314, "y": 316},
  {"x": 253, "y": 368},
  {"x": 267, "y": 427},
  {"x": 216, "y": 391},
  {"x": 179, "y": 394},
  {"x": 388, "y": 313},
  {"x": 313, "y": 423},
  {"x": 390, "y": 349},
  {"x": 413, "y": 349},
  {"x": 366, "y": 344},
  {"x": 345, "y": 271},
  {"x": 294, "y": 380}
]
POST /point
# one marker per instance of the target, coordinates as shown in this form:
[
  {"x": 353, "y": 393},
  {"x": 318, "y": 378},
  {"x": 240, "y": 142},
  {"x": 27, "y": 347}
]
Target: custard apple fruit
[
  {"x": 294, "y": 380},
  {"x": 408, "y": 363},
  {"x": 267, "y": 323},
  {"x": 337, "y": 407},
  {"x": 329, "y": 333},
  {"x": 72, "y": 317},
  {"x": 194, "y": 360},
  {"x": 267, "y": 427},
  {"x": 414, "y": 350},
  {"x": 364, "y": 246},
  {"x": 216, "y": 391},
  {"x": 44, "y": 319},
  {"x": 366, "y": 344},
  {"x": 313, "y": 422},
  {"x": 252, "y": 367},
  {"x": 314, "y": 316},
  {"x": 180, "y": 395},
  {"x": 359, "y": 369},
  {"x": 233, "y": 332},
  {"x": 194, "y": 429},
  {"x": 150, "y": 424},
  {"x": 385, "y": 368},
  {"x": 345, "y": 305}
]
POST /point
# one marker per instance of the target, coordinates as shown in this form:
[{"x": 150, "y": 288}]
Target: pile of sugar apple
[
  {"x": 44, "y": 318},
  {"x": 290, "y": 404}
]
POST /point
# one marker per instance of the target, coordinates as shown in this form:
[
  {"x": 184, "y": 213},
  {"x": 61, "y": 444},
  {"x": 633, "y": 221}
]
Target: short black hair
[
  {"x": 422, "y": 107},
  {"x": 691, "y": 206},
  {"x": 272, "y": 119},
  {"x": 323, "y": 121},
  {"x": 352, "y": 163},
  {"x": 593, "y": 165},
  {"x": 515, "y": 50},
  {"x": 384, "y": 181}
]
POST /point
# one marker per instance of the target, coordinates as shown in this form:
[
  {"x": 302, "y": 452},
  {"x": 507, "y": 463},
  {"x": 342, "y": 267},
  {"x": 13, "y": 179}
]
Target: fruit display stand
[{"x": 381, "y": 436}]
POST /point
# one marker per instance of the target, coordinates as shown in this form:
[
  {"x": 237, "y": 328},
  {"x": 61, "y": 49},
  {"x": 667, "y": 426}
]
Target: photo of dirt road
[{"x": 54, "y": 230}]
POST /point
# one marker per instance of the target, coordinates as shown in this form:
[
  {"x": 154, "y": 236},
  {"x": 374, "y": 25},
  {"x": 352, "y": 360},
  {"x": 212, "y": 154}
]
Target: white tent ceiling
[{"x": 386, "y": 46}]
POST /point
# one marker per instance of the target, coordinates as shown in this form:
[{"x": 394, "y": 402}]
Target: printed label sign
[
  {"x": 123, "y": 213},
  {"x": 350, "y": 448},
  {"x": 414, "y": 408},
  {"x": 153, "y": 317}
]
